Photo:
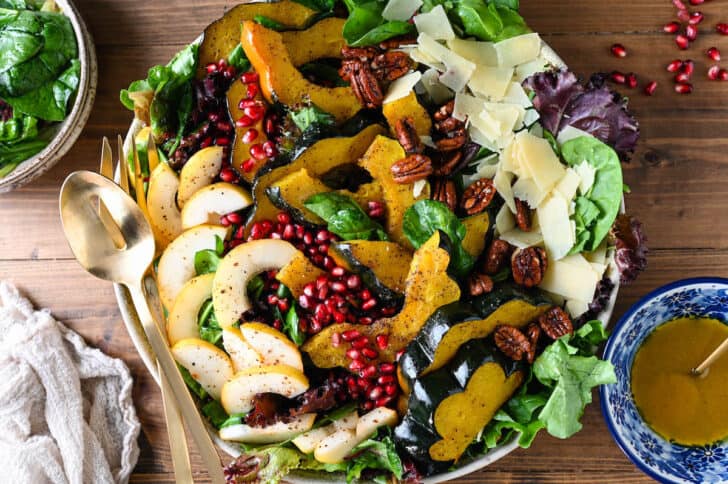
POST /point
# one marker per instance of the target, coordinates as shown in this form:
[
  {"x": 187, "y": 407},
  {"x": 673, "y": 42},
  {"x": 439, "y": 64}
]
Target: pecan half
[
  {"x": 556, "y": 323},
  {"x": 523, "y": 215},
  {"x": 479, "y": 284},
  {"x": 391, "y": 65},
  {"x": 533, "y": 332},
  {"x": 498, "y": 254},
  {"x": 478, "y": 196},
  {"x": 412, "y": 168},
  {"x": 511, "y": 342},
  {"x": 366, "y": 87},
  {"x": 365, "y": 54},
  {"x": 445, "y": 111},
  {"x": 397, "y": 42},
  {"x": 450, "y": 165},
  {"x": 454, "y": 141},
  {"x": 529, "y": 266},
  {"x": 443, "y": 190},
  {"x": 407, "y": 135},
  {"x": 449, "y": 124}
]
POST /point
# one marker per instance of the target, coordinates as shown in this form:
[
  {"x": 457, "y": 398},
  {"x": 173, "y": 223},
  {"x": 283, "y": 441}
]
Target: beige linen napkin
[{"x": 66, "y": 413}]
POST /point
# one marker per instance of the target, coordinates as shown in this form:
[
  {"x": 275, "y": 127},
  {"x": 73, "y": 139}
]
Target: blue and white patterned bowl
[{"x": 658, "y": 458}]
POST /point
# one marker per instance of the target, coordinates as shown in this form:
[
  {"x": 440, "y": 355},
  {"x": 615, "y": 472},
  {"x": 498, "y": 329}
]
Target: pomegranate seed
[
  {"x": 618, "y": 77},
  {"x": 269, "y": 125},
  {"x": 366, "y": 320},
  {"x": 618, "y": 50},
  {"x": 277, "y": 324},
  {"x": 213, "y": 117},
  {"x": 322, "y": 293},
  {"x": 248, "y": 165},
  {"x": 385, "y": 379},
  {"x": 723, "y": 75},
  {"x": 369, "y": 372},
  {"x": 222, "y": 63},
  {"x": 339, "y": 317},
  {"x": 338, "y": 271},
  {"x": 272, "y": 299},
  {"x": 288, "y": 232},
  {"x": 321, "y": 313},
  {"x": 222, "y": 141},
  {"x": 255, "y": 112},
  {"x": 353, "y": 354},
  {"x": 316, "y": 326},
  {"x": 382, "y": 402},
  {"x": 239, "y": 233},
  {"x": 267, "y": 227},
  {"x": 697, "y": 2},
  {"x": 382, "y": 341},
  {"x": 353, "y": 281},
  {"x": 696, "y": 18},
  {"x": 338, "y": 286},
  {"x": 722, "y": 28},
  {"x": 691, "y": 32},
  {"x": 235, "y": 218},
  {"x": 632, "y": 80},
  {"x": 674, "y": 66},
  {"x": 223, "y": 126},
  {"x": 714, "y": 54},
  {"x": 336, "y": 339},
  {"x": 370, "y": 353},
  {"x": 307, "y": 238},
  {"x": 684, "y": 88},
  {"x": 357, "y": 365},
  {"x": 323, "y": 235},
  {"x": 321, "y": 282},
  {"x": 369, "y": 304},
  {"x": 206, "y": 142},
  {"x": 283, "y": 218},
  {"x": 682, "y": 41},
  {"x": 224, "y": 221},
  {"x": 683, "y": 16},
  {"x": 682, "y": 77},
  {"x": 350, "y": 335},
  {"x": 375, "y": 393},
  {"x": 365, "y": 295},
  {"x": 650, "y": 88},
  {"x": 211, "y": 67},
  {"x": 309, "y": 289},
  {"x": 399, "y": 354},
  {"x": 250, "y": 135},
  {"x": 714, "y": 72},
  {"x": 244, "y": 121},
  {"x": 363, "y": 383},
  {"x": 247, "y": 103},
  {"x": 671, "y": 28},
  {"x": 360, "y": 342},
  {"x": 368, "y": 405},
  {"x": 252, "y": 90},
  {"x": 386, "y": 368},
  {"x": 679, "y": 4},
  {"x": 248, "y": 77},
  {"x": 283, "y": 305},
  {"x": 305, "y": 303},
  {"x": 228, "y": 175},
  {"x": 270, "y": 149},
  {"x": 390, "y": 390},
  {"x": 323, "y": 248},
  {"x": 688, "y": 67},
  {"x": 257, "y": 152}
]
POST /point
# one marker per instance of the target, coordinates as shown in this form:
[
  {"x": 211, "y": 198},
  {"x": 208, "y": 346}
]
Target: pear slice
[
  {"x": 273, "y": 346},
  {"x": 241, "y": 353},
  {"x": 229, "y": 290},
  {"x": 371, "y": 421},
  {"x": 308, "y": 442},
  {"x": 198, "y": 172},
  {"x": 182, "y": 320},
  {"x": 209, "y": 203},
  {"x": 177, "y": 263},
  {"x": 347, "y": 422},
  {"x": 208, "y": 364},
  {"x": 277, "y": 432},
  {"x": 238, "y": 393},
  {"x": 336, "y": 446},
  {"x": 162, "y": 205}
]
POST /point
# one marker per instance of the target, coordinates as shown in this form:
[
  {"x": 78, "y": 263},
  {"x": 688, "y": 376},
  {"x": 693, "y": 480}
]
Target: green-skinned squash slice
[
  {"x": 318, "y": 159},
  {"x": 382, "y": 266},
  {"x": 428, "y": 287},
  {"x": 453, "y": 325},
  {"x": 290, "y": 193},
  {"x": 447, "y": 408}
]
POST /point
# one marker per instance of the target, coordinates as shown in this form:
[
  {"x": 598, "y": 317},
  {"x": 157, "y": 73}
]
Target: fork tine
[
  {"x": 107, "y": 165},
  {"x": 152, "y": 154},
  {"x": 123, "y": 165}
]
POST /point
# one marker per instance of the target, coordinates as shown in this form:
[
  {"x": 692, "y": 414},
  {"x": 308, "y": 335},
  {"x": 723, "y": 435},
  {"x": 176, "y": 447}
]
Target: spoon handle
[
  {"x": 169, "y": 370},
  {"x": 175, "y": 434}
]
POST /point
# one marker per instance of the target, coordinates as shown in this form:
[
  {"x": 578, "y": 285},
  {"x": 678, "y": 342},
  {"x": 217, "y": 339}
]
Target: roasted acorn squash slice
[
  {"x": 453, "y": 325},
  {"x": 447, "y": 408},
  {"x": 290, "y": 193},
  {"x": 408, "y": 106},
  {"x": 477, "y": 231},
  {"x": 281, "y": 82},
  {"x": 427, "y": 288},
  {"x": 297, "y": 273},
  {"x": 323, "y": 39}
]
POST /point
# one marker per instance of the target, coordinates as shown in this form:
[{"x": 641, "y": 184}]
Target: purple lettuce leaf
[
  {"x": 631, "y": 248},
  {"x": 562, "y": 101}
]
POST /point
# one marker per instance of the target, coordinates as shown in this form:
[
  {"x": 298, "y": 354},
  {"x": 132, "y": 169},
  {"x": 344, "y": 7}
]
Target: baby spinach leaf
[
  {"x": 192, "y": 384},
  {"x": 18, "y": 128},
  {"x": 344, "y": 217},
  {"x": 215, "y": 413},
  {"x": 366, "y": 26},
  {"x": 291, "y": 327},
  {"x": 605, "y": 195},
  {"x": 269, "y": 23},
  {"x": 50, "y": 101},
  {"x": 206, "y": 261},
  {"x": 238, "y": 59},
  {"x": 423, "y": 218},
  {"x": 207, "y": 324},
  {"x": 234, "y": 419}
]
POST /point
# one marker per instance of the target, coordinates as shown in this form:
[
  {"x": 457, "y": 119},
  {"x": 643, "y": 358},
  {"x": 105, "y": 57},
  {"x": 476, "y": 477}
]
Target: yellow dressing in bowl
[{"x": 686, "y": 409}]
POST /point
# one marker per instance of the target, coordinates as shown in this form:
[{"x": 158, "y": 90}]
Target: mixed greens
[{"x": 39, "y": 76}]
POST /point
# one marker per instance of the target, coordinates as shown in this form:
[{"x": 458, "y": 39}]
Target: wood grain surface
[{"x": 678, "y": 177}]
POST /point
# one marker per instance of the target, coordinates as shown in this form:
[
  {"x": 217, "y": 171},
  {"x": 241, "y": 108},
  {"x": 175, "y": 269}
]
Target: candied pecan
[
  {"x": 523, "y": 215},
  {"x": 366, "y": 87},
  {"x": 397, "y": 42},
  {"x": 443, "y": 190},
  {"x": 412, "y": 168},
  {"x": 533, "y": 332},
  {"x": 511, "y": 342},
  {"x": 447, "y": 168},
  {"x": 529, "y": 266},
  {"x": 391, "y": 65},
  {"x": 349, "y": 67},
  {"x": 498, "y": 254},
  {"x": 361, "y": 53},
  {"x": 445, "y": 111},
  {"x": 479, "y": 284},
  {"x": 454, "y": 141},
  {"x": 556, "y": 323},
  {"x": 478, "y": 196},
  {"x": 407, "y": 135},
  {"x": 449, "y": 124}
]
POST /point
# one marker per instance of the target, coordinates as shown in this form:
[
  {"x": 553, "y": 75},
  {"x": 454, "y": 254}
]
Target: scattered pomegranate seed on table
[
  {"x": 679, "y": 4},
  {"x": 723, "y": 75},
  {"x": 618, "y": 77},
  {"x": 631, "y": 80},
  {"x": 683, "y": 16},
  {"x": 713, "y": 72},
  {"x": 671, "y": 28},
  {"x": 688, "y": 67},
  {"x": 696, "y": 18},
  {"x": 682, "y": 41},
  {"x": 691, "y": 32},
  {"x": 674, "y": 66},
  {"x": 683, "y": 88},
  {"x": 650, "y": 88},
  {"x": 697, "y": 2},
  {"x": 682, "y": 77},
  {"x": 714, "y": 54},
  {"x": 619, "y": 50},
  {"x": 722, "y": 28}
]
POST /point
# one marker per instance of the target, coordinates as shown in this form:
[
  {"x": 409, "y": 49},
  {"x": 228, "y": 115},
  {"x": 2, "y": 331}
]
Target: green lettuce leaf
[
  {"x": 366, "y": 26},
  {"x": 309, "y": 116}
]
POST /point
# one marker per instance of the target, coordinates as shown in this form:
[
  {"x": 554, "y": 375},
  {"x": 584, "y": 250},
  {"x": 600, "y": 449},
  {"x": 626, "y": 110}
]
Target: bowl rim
[{"x": 608, "y": 350}]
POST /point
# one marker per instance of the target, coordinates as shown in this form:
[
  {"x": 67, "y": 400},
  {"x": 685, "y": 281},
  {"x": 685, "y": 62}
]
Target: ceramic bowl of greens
[{"x": 48, "y": 77}]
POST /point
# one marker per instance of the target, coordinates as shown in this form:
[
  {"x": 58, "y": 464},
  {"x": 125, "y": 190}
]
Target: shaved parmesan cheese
[
  {"x": 598, "y": 256},
  {"x": 530, "y": 119},
  {"x": 570, "y": 281},
  {"x": 558, "y": 236},
  {"x": 487, "y": 125},
  {"x": 520, "y": 239},
  {"x": 518, "y": 50},
  {"x": 577, "y": 260},
  {"x": 402, "y": 87},
  {"x": 586, "y": 173},
  {"x": 508, "y": 115},
  {"x": 508, "y": 161},
  {"x": 421, "y": 57},
  {"x": 525, "y": 189},
  {"x": 481, "y": 53},
  {"x": 599, "y": 269},
  {"x": 467, "y": 106},
  {"x": 502, "y": 182},
  {"x": 569, "y": 133},
  {"x": 516, "y": 95},
  {"x": 541, "y": 161},
  {"x": 432, "y": 48},
  {"x": 569, "y": 184},
  {"x": 491, "y": 82},
  {"x": 417, "y": 187},
  {"x": 400, "y": 9},
  {"x": 434, "y": 23},
  {"x": 485, "y": 168},
  {"x": 436, "y": 90},
  {"x": 576, "y": 308},
  {"x": 504, "y": 221},
  {"x": 458, "y": 69},
  {"x": 524, "y": 71},
  {"x": 482, "y": 139}
]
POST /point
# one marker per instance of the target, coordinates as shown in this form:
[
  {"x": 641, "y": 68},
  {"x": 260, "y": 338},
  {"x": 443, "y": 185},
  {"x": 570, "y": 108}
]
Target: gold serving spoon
[
  {"x": 95, "y": 249},
  {"x": 705, "y": 365}
]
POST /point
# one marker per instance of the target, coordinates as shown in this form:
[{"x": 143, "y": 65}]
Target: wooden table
[{"x": 679, "y": 179}]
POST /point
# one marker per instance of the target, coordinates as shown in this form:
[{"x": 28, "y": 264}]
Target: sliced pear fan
[
  {"x": 273, "y": 346},
  {"x": 242, "y": 354},
  {"x": 238, "y": 393},
  {"x": 198, "y": 172},
  {"x": 182, "y": 320},
  {"x": 213, "y": 201},
  {"x": 269, "y": 434},
  {"x": 208, "y": 364}
]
